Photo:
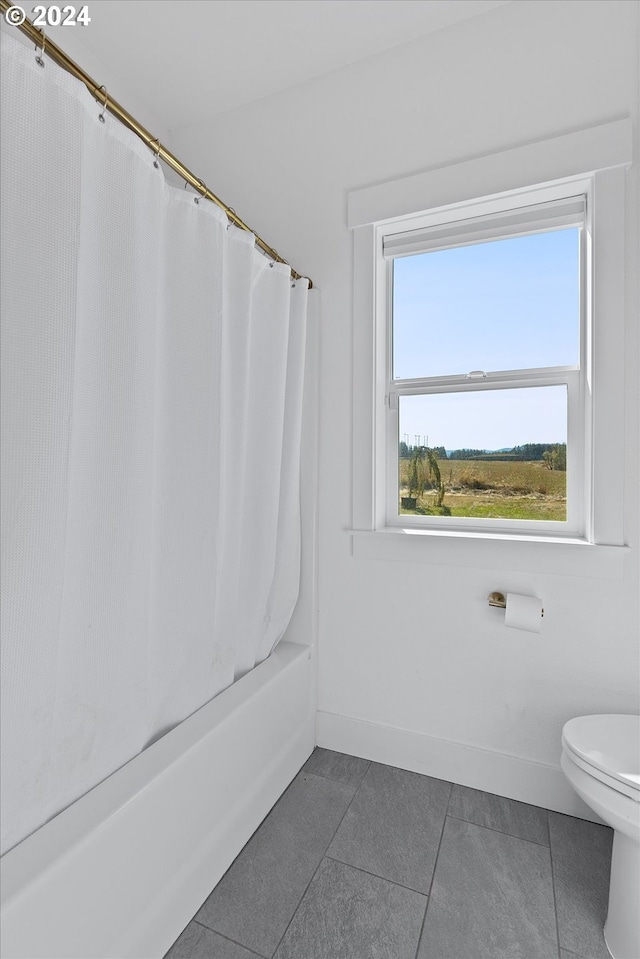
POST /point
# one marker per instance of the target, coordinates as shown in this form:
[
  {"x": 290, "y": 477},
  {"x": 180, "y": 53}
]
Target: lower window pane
[{"x": 497, "y": 454}]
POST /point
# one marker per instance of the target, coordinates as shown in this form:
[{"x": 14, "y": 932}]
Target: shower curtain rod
[{"x": 100, "y": 93}]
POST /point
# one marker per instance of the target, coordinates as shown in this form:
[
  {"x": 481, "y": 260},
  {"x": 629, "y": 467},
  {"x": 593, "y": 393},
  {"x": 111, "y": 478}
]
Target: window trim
[
  {"x": 598, "y": 156},
  {"x": 544, "y": 211}
]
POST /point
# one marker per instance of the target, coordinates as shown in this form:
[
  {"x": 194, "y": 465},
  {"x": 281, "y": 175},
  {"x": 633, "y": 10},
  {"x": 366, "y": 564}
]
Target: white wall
[{"x": 403, "y": 645}]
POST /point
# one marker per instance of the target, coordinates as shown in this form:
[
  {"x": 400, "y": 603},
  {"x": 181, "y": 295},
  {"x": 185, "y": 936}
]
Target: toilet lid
[{"x": 610, "y": 743}]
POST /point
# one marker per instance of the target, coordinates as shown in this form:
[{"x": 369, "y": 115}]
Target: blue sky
[{"x": 505, "y": 304}]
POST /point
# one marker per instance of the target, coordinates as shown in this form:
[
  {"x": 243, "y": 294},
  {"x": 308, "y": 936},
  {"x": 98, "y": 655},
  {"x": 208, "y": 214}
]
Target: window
[
  {"x": 486, "y": 399},
  {"x": 489, "y": 331}
]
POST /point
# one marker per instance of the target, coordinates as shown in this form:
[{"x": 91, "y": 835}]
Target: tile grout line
[
  {"x": 376, "y": 875},
  {"x": 444, "y": 822},
  {"x": 433, "y": 874},
  {"x": 553, "y": 887},
  {"x": 501, "y": 832},
  {"x": 333, "y": 779},
  {"x": 198, "y": 922},
  {"x": 322, "y": 858}
]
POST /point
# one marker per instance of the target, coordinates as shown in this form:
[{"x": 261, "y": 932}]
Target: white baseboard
[{"x": 539, "y": 784}]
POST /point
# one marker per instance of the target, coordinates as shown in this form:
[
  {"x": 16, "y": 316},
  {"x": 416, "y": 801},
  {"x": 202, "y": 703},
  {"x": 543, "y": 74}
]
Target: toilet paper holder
[{"x": 499, "y": 600}]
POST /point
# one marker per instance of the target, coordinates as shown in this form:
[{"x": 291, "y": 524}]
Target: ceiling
[{"x": 189, "y": 60}]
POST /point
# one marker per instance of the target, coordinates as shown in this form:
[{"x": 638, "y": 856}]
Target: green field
[{"x": 492, "y": 489}]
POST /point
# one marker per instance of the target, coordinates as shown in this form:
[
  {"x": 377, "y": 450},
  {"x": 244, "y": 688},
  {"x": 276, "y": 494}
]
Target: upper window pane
[{"x": 498, "y": 305}]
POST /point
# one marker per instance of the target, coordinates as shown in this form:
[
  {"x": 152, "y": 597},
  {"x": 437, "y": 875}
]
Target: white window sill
[{"x": 530, "y": 554}]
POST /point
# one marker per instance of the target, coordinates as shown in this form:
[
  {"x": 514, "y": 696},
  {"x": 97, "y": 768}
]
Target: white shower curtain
[{"x": 152, "y": 370}]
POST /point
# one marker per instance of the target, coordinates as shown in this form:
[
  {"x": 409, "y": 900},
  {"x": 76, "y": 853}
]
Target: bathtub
[{"x": 120, "y": 872}]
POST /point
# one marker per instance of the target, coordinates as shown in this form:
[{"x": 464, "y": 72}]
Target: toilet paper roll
[{"x": 523, "y": 612}]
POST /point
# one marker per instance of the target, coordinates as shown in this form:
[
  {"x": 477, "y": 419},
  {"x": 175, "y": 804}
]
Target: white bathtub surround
[
  {"x": 122, "y": 870},
  {"x": 153, "y": 366}
]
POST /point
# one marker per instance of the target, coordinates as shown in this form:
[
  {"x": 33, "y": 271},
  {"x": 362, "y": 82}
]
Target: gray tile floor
[{"x": 362, "y": 861}]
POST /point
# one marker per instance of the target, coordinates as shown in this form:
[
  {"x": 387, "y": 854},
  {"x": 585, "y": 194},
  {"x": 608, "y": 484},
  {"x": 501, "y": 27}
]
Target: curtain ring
[
  {"x": 40, "y": 56},
  {"x": 104, "y": 105},
  {"x": 156, "y": 154},
  {"x": 186, "y": 185},
  {"x": 203, "y": 187}
]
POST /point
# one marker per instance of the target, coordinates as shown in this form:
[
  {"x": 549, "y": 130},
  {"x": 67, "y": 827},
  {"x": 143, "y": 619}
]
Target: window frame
[
  {"x": 542, "y": 211},
  {"x": 597, "y": 157}
]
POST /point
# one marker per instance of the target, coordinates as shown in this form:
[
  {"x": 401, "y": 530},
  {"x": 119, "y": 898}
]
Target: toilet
[{"x": 601, "y": 760}]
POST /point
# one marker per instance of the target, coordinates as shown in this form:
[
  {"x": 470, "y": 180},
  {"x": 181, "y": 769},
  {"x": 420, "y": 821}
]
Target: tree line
[
  {"x": 553, "y": 455},
  {"x": 406, "y": 452}
]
